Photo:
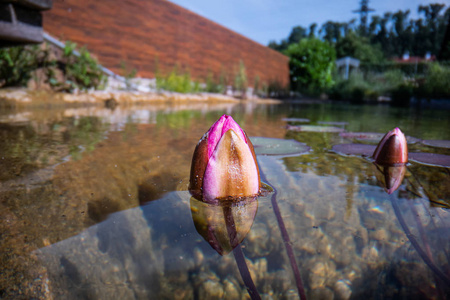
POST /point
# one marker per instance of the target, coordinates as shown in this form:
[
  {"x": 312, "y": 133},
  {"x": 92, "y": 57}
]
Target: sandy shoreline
[{"x": 22, "y": 97}]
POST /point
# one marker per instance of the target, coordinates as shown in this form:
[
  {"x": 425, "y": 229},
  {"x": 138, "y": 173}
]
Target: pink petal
[
  {"x": 231, "y": 170},
  {"x": 219, "y": 128}
]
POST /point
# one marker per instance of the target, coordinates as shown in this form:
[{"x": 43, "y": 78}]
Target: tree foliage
[
  {"x": 311, "y": 65},
  {"x": 394, "y": 33},
  {"x": 360, "y": 48}
]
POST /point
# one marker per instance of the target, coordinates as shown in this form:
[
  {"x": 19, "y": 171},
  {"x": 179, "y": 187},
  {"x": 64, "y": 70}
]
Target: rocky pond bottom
[{"x": 96, "y": 208}]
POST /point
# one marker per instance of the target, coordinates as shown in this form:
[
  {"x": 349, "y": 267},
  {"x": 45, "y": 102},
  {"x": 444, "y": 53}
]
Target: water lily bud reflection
[
  {"x": 224, "y": 163},
  {"x": 391, "y": 176},
  {"x": 392, "y": 149},
  {"x": 224, "y": 225}
]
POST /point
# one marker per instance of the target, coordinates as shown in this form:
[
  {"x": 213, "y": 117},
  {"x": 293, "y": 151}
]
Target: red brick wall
[{"x": 141, "y": 32}]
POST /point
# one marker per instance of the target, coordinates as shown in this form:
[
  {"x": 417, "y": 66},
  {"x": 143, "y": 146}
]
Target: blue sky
[{"x": 265, "y": 20}]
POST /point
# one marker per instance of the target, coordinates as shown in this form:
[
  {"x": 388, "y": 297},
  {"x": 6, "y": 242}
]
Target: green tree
[
  {"x": 283, "y": 45},
  {"x": 403, "y": 35},
  {"x": 434, "y": 23},
  {"x": 297, "y": 33},
  {"x": 331, "y": 31},
  {"x": 444, "y": 53},
  {"x": 360, "y": 48},
  {"x": 312, "y": 30},
  {"x": 311, "y": 65}
]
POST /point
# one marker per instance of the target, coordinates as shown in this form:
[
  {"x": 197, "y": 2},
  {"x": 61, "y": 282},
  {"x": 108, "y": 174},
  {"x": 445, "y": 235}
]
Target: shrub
[
  {"x": 369, "y": 87},
  {"x": 212, "y": 86},
  {"x": 401, "y": 95},
  {"x": 177, "y": 82},
  {"x": 240, "y": 80},
  {"x": 357, "y": 94},
  {"x": 437, "y": 81},
  {"x": 18, "y": 63},
  {"x": 127, "y": 73},
  {"x": 80, "y": 71},
  {"x": 353, "y": 89}
]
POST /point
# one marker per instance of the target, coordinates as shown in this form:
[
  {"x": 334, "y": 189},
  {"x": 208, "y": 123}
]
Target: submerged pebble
[
  {"x": 211, "y": 290},
  {"x": 342, "y": 290}
]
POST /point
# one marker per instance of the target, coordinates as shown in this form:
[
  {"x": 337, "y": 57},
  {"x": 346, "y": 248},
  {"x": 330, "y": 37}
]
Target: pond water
[{"x": 94, "y": 205}]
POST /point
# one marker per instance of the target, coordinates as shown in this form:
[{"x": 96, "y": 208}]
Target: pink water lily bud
[
  {"x": 224, "y": 163},
  {"x": 392, "y": 149}
]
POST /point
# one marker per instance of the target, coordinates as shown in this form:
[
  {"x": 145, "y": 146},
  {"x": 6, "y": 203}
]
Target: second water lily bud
[
  {"x": 224, "y": 163},
  {"x": 392, "y": 149}
]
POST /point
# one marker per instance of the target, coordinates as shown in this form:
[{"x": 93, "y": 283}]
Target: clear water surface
[{"x": 94, "y": 205}]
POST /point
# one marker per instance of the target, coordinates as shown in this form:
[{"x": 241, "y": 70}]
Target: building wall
[{"x": 154, "y": 34}]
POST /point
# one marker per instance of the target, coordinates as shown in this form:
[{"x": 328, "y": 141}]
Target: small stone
[
  {"x": 342, "y": 290},
  {"x": 260, "y": 269},
  {"x": 198, "y": 257},
  {"x": 322, "y": 273},
  {"x": 258, "y": 241},
  {"x": 291, "y": 294},
  {"x": 370, "y": 254},
  {"x": 321, "y": 294},
  {"x": 183, "y": 293},
  {"x": 230, "y": 290},
  {"x": 211, "y": 290},
  {"x": 379, "y": 235}
]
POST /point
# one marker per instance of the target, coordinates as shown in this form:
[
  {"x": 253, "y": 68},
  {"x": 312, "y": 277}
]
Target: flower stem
[
  {"x": 415, "y": 244},
  {"x": 286, "y": 239},
  {"x": 238, "y": 255}
]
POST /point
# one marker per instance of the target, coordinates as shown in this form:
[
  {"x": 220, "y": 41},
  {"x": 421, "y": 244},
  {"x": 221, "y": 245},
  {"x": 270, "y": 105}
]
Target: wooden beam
[
  {"x": 32, "y": 4},
  {"x": 20, "y": 32}
]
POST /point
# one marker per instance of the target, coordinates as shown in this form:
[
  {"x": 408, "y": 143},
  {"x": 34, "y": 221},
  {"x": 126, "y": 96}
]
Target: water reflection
[
  {"x": 224, "y": 225},
  {"x": 113, "y": 219},
  {"x": 392, "y": 176}
]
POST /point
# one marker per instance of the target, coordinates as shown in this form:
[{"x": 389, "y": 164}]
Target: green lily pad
[
  {"x": 314, "y": 128},
  {"x": 299, "y": 120},
  {"x": 278, "y": 147},
  {"x": 373, "y": 137},
  {"x": 431, "y": 159},
  {"x": 437, "y": 143},
  {"x": 354, "y": 149},
  {"x": 332, "y": 123}
]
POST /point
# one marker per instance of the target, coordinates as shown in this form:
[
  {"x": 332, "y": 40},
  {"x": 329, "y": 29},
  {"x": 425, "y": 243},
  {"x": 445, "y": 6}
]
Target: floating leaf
[
  {"x": 372, "y": 137},
  {"x": 437, "y": 143},
  {"x": 314, "y": 128},
  {"x": 271, "y": 146},
  {"x": 354, "y": 149},
  {"x": 299, "y": 120},
  {"x": 432, "y": 159},
  {"x": 333, "y": 123}
]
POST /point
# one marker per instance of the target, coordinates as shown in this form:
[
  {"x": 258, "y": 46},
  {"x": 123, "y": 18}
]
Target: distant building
[
  {"x": 346, "y": 63},
  {"x": 157, "y": 34},
  {"x": 407, "y": 59}
]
